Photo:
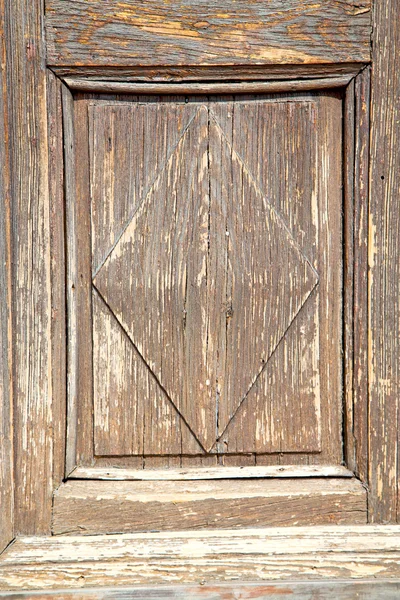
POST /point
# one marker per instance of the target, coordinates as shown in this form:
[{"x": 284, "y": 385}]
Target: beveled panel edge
[
  {"x": 207, "y": 73},
  {"x": 256, "y": 472},
  {"x": 244, "y": 87}
]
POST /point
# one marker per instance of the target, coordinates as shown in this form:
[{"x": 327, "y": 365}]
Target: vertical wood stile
[
  {"x": 348, "y": 268},
  {"x": 6, "y": 466},
  {"x": 384, "y": 264},
  {"x": 31, "y": 273},
  {"x": 58, "y": 312},
  {"x": 360, "y": 275}
]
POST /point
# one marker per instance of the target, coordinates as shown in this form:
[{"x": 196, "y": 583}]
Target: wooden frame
[
  {"x": 372, "y": 312},
  {"x": 80, "y": 383}
]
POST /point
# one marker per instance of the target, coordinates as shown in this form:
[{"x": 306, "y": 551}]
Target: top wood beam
[{"x": 205, "y": 32}]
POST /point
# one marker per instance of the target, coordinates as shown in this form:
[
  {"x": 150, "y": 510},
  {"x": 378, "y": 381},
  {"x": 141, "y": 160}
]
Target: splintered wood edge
[
  {"x": 246, "y": 87},
  {"x": 267, "y": 554},
  {"x": 269, "y": 472}
]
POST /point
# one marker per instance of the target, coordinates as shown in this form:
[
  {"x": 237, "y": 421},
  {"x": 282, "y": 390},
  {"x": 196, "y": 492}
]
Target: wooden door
[{"x": 198, "y": 287}]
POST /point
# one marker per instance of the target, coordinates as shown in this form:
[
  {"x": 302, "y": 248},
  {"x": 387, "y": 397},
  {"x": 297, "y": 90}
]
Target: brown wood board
[
  {"x": 384, "y": 263},
  {"x": 33, "y": 409},
  {"x": 285, "y": 554},
  {"x": 90, "y": 507},
  {"x": 6, "y": 396},
  {"x": 207, "y": 33}
]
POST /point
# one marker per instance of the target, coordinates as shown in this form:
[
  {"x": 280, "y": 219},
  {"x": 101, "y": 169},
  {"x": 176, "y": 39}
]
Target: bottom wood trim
[
  {"x": 250, "y": 472},
  {"x": 299, "y": 590},
  {"x": 253, "y": 555},
  {"x": 96, "y": 507}
]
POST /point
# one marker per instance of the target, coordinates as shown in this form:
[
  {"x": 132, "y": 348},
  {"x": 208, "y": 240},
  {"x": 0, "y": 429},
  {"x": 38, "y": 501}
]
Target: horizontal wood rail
[
  {"x": 90, "y": 507},
  {"x": 244, "y": 87},
  {"x": 252, "y": 555}
]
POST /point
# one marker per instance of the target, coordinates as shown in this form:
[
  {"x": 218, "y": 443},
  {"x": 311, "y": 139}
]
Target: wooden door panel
[
  {"x": 125, "y": 407},
  {"x": 215, "y": 293}
]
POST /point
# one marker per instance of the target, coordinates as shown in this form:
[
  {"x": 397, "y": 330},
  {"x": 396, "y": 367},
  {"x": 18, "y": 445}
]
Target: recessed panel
[{"x": 215, "y": 285}]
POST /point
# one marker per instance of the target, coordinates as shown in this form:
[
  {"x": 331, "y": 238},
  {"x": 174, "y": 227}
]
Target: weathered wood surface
[
  {"x": 356, "y": 267},
  {"x": 189, "y": 33},
  {"x": 274, "y": 554},
  {"x": 80, "y": 358},
  {"x": 31, "y": 274},
  {"x": 90, "y": 507},
  {"x": 185, "y": 74},
  {"x": 124, "y": 421},
  {"x": 247, "y": 87},
  {"x": 294, "y": 177},
  {"x": 312, "y": 590},
  {"x": 243, "y": 472},
  {"x": 6, "y": 412},
  {"x": 206, "y": 291},
  {"x": 384, "y": 266},
  {"x": 57, "y": 239},
  {"x": 121, "y": 140}
]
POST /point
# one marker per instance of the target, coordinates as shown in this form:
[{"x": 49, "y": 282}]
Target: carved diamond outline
[{"x": 221, "y": 393}]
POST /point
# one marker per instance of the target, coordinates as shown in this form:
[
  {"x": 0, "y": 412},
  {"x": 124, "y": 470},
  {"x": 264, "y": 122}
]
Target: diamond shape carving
[{"x": 206, "y": 279}]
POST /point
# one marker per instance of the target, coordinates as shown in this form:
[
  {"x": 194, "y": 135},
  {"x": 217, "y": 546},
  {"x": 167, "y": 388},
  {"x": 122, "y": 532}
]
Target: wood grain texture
[
  {"x": 220, "y": 74},
  {"x": 124, "y": 422},
  {"x": 95, "y": 507},
  {"x": 6, "y": 397},
  {"x": 31, "y": 273},
  {"x": 78, "y": 247},
  {"x": 310, "y": 590},
  {"x": 189, "y": 33},
  {"x": 360, "y": 314},
  {"x": 57, "y": 239},
  {"x": 356, "y": 268},
  {"x": 191, "y": 473},
  {"x": 119, "y": 140},
  {"x": 296, "y": 143},
  {"x": 258, "y": 555},
  {"x": 245, "y": 87},
  {"x": 199, "y": 281},
  {"x": 384, "y": 266}
]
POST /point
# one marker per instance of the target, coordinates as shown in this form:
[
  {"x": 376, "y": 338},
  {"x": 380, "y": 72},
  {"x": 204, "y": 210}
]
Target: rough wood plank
[
  {"x": 308, "y": 197},
  {"x": 89, "y": 507},
  {"x": 328, "y": 590},
  {"x": 184, "y": 74},
  {"x": 57, "y": 238},
  {"x": 357, "y": 272},
  {"x": 79, "y": 266},
  {"x": 189, "y": 33},
  {"x": 232, "y": 261},
  {"x": 6, "y": 396},
  {"x": 31, "y": 276},
  {"x": 247, "y": 87},
  {"x": 132, "y": 414},
  {"x": 384, "y": 265},
  {"x": 349, "y": 133},
  {"x": 227, "y": 472},
  {"x": 273, "y": 554}
]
